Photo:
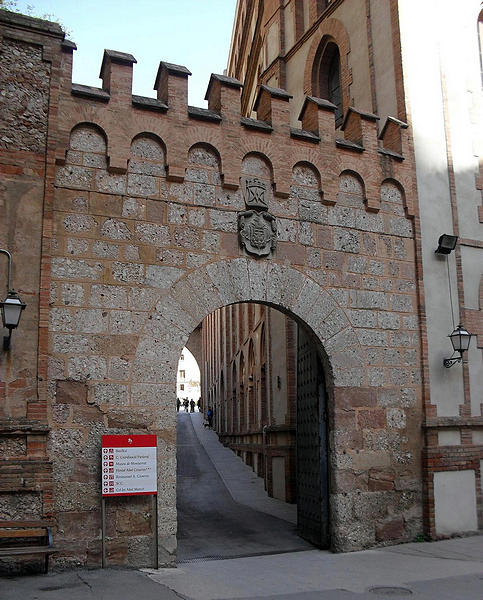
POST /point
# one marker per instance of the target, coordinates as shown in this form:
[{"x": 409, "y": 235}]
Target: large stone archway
[{"x": 196, "y": 295}]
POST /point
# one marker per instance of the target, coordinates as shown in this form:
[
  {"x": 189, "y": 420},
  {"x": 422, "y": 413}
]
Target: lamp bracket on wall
[
  {"x": 460, "y": 339},
  {"x": 12, "y": 306}
]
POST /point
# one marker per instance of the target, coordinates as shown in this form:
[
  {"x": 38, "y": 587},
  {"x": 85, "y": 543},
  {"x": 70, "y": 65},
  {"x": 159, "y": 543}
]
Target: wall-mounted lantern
[
  {"x": 460, "y": 339},
  {"x": 11, "y": 307}
]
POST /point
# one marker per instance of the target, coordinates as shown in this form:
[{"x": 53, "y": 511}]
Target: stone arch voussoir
[{"x": 199, "y": 293}]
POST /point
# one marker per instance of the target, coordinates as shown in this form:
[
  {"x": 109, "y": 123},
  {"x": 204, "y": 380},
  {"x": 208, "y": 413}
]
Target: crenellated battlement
[{"x": 357, "y": 146}]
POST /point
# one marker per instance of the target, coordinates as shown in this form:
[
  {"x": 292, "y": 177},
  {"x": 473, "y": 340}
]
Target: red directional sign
[{"x": 128, "y": 465}]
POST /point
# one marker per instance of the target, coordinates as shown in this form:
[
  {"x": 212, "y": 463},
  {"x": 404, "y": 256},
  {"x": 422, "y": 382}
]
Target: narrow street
[{"x": 210, "y": 523}]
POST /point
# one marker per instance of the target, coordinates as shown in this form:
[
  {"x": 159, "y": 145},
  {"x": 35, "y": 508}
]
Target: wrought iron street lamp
[
  {"x": 12, "y": 306},
  {"x": 460, "y": 339}
]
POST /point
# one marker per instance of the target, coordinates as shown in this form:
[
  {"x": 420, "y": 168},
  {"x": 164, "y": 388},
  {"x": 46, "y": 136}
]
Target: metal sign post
[{"x": 128, "y": 466}]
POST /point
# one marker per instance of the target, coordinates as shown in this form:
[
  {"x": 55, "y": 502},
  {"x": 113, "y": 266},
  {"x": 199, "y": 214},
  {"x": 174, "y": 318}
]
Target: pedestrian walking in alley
[
  {"x": 192, "y": 405},
  {"x": 209, "y": 415}
]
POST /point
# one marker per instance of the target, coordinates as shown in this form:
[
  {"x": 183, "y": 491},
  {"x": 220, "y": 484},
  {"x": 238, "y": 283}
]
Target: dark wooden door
[{"x": 312, "y": 482}]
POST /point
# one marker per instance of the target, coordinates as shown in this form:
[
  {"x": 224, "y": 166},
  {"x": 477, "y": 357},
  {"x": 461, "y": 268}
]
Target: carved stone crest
[
  {"x": 254, "y": 193},
  {"x": 257, "y": 228},
  {"x": 257, "y": 232}
]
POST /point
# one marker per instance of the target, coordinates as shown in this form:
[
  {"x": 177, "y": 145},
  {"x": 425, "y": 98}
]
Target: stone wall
[
  {"x": 141, "y": 243},
  {"x": 29, "y": 55}
]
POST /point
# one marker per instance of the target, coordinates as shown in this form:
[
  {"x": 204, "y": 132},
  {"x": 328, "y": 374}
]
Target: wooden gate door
[{"x": 312, "y": 474}]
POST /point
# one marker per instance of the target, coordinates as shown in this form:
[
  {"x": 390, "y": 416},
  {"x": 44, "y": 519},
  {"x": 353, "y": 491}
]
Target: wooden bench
[{"x": 26, "y": 538}]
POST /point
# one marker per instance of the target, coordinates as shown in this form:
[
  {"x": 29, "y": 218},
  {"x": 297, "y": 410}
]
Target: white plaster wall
[
  {"x": 423, "y": 65},
  {"x": 472, "y": 265},
  {"x": 455, "y": 502},
  {"x": 191, "y": 381},
  {"x": 449, "y": 437},
  {"x": 478, "y": 437}
]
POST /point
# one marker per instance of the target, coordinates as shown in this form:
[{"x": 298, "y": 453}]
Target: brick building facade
[{"x": 122, "y": 214}]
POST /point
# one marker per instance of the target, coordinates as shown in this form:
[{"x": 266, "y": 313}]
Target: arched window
[{"x": 328, "y": 79}]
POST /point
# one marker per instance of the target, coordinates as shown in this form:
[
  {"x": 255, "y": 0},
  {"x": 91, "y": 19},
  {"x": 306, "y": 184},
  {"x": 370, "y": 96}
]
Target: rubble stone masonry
[{"x": 128, "y": 238}]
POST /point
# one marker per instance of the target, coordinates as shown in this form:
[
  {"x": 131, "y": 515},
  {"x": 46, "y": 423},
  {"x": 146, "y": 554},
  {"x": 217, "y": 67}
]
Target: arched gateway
[{"x": 155, "y": 214}]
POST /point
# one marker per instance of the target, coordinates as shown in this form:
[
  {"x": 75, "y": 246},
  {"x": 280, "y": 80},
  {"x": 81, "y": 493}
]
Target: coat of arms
[{"x": 257, "y": 228}]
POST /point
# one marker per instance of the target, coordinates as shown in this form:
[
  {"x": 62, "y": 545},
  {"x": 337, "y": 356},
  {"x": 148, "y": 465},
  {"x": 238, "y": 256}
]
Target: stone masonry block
[
  {"x": 68, "y": 343},
  {"x": 306, "y": 234},
  {"x": 106, "y": 250},
  {"x": 356, "y": 264},
  {"x": 119, "y": 368},
  {"x": 342, "y": 341},
  {"x": 257, "y": 277},
  {"x": 61, "y": 319},
  {"x": 108, "y": 296},
  {"x": 369, "y": 221},
  {"x": 127, "y": 272},
  {"x": 362, "y": 318},
  {"x": 79, "y": 223},
  {"x": 76, "y": 246},
  {"x": 308, "y": 296},
  {"x": 371, "y": 337},
  {"x": 197, "y": 217},
  {"x": 369, "y": 299},
  {"x": 396, "y": 418},
  {"x": 115, "y": 230},
  {"x": 185, "y": 237},
  {"x": 175, "y": 314},
  {"x": 87, "y": 138},
  {"x": 141, "y": 185},
  {"x": 321, "y": 310},
  {"x": 314, "y": 212},
  {"x": 112, "y": 394},
  {"x": 210, "y": 242},
  {"x": 376, "y": 376},
  {"x": 347, "y": 241},
  {"x": 401, "y": 303},
  {"x": 194, "y": 261},
  {"x": 219, "y": 276},
  {"x": 287, "y": 230},
  {"x": 82, "y": 368},
  {"x": 161, "y": 277},
  {"x": 346, "y": 359},
  {"x": 133, "y": 208},
  {"x": 223, "y": 220},
  {"x": 72, "y": 294},
  {"x": 209, "y": 297},
  {"x": 141, "y": 298},
  {"x": 203, "y": 194},
  {"x": 238, "y": 272},
  {"x": 110, "y": 183},
  {"x": 341, "y": 216},
  {"x": 150, "y": 233},
  {"x": 74, "y": 177},
  {"x": 332, "y": 324},
  {"x": 387, "y": 320},
  {"x": 91, "y": 320},
  {"x": 69, "y": 268},
  {"x": 126, "y": 322},
  {"x": 177, "y": 213},
  {"x": 410, "y": 322}
]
